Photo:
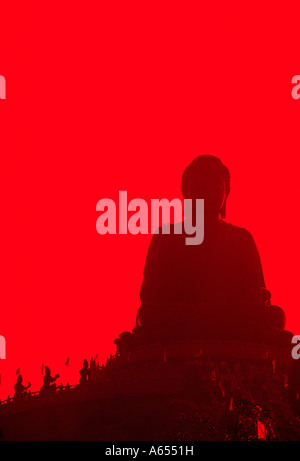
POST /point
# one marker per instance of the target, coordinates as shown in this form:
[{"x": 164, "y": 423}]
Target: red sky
[{"x": 109, "y": 96}]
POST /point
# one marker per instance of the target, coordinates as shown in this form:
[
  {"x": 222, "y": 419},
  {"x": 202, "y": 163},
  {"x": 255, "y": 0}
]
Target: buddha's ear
[{"x": 223, "y": 210}]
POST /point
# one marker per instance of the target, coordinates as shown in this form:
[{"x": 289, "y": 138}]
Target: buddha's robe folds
[{"x": 207, "y": 287}]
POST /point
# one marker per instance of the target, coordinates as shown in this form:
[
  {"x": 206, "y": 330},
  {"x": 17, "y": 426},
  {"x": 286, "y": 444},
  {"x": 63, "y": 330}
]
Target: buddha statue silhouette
[{"x": 213, "y": 290}]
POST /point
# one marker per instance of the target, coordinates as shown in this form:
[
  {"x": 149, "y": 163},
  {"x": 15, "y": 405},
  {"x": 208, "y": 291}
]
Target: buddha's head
[{"x": 209, "y": 179}]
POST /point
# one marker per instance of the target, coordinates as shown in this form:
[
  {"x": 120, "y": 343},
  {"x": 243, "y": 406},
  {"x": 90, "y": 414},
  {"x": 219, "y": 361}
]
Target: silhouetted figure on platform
[
  {"x": 84, "y": 373},
  {"x": 20, "y": 389},
  {"x": 49, "y": 381},
  {"x": 213, "y": 290}
]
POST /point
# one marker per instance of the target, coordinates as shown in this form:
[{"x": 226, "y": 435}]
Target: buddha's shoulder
[
  {"x": 233, "y": 228},
  {"x": 235, "y": 232}
]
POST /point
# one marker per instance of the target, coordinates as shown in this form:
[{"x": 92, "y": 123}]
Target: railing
[{"x": 29, "y": 394}]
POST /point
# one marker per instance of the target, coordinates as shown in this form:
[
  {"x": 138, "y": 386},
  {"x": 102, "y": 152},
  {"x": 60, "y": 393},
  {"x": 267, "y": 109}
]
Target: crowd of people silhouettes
[{"x": 88, "y": 373}]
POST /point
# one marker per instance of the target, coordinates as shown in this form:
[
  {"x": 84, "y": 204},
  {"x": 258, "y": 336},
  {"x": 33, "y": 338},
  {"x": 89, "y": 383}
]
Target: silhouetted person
[
  {"x": 49, "y": 381},
  {"x": 20, "y": 389},
  {"x": 84, "y": 373},
  {"x": 215, "y": 289},
  {"x": 94, "y": 370}
]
